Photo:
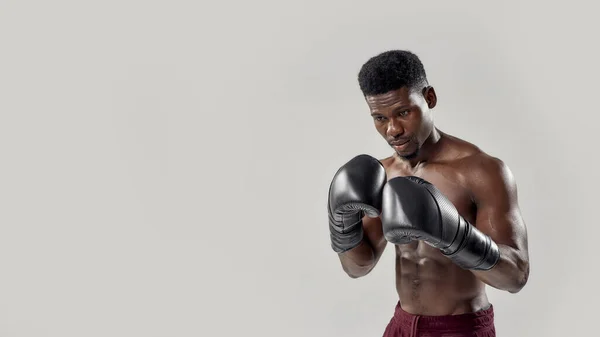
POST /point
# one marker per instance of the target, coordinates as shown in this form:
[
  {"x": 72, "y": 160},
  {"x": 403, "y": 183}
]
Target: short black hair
[{"x": 391, "y": 70}]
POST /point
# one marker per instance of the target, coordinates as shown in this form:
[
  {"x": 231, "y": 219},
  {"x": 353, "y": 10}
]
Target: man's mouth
[{"x": 400, "y": 145}]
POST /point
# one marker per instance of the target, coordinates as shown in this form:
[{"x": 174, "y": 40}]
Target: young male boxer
[{"x": 450, "y": 210}]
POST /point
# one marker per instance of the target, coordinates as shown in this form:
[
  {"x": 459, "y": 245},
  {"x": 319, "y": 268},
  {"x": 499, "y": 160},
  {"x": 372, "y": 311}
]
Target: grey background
[{"x": 165, "y": 163}]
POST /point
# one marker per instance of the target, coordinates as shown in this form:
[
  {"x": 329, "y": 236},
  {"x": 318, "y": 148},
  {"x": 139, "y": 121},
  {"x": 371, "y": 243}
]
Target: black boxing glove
[
  {"x": 354, "y": 191},
  {"x": 414, "y": 208}
]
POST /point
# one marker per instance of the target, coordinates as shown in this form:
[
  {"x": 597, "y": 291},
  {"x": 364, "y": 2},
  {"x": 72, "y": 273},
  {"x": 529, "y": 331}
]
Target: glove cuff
[
  {"x": 342, "y": 242},
  {"x": 475, "y": 251}
]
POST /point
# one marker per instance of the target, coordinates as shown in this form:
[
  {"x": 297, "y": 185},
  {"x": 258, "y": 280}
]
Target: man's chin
[{"x": 408, "y": 155}]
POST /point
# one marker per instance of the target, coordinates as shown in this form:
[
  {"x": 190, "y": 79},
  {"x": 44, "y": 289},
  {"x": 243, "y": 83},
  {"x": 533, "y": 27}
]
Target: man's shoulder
[
  {"x": 469, "y": 155},
  {"x": 476, "y": 165},
  {"x": 458, "y": 149},
  {"x": 483, "y": 164},
  {"x": 482, "y": 170}
]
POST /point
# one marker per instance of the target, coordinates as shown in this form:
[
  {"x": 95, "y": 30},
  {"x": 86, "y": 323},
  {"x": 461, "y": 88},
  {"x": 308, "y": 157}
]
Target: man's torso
[{"x": 427, "y": 282}]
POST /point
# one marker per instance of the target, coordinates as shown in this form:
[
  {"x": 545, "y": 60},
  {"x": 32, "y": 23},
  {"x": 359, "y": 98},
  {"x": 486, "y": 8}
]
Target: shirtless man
[{"x": 450, "y": 210}]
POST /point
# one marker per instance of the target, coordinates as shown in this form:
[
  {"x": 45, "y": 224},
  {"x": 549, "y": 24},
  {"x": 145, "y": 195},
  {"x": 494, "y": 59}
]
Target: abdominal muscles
[{"x": 428, "y": 283}]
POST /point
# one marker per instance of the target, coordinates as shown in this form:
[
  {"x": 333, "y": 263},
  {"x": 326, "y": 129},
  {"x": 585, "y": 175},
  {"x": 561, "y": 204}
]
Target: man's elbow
[
  {"x": 355, "y": 276},
  {"x": 521, "y": 277},
  {"x": 357, "y": 271}
]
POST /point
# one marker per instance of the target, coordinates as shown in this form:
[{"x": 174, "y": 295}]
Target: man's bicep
[
  {"x": 373, "y": 231},
  {"x": 498, "y": 212}
]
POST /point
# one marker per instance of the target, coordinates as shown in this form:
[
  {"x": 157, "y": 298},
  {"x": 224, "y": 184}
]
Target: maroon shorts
[{"x": 477, "y": 324}]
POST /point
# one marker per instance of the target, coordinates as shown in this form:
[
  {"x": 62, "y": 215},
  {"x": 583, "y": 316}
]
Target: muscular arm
[
  {"x": 499, "y": 216},
  {"x": 360, "y": 260}
]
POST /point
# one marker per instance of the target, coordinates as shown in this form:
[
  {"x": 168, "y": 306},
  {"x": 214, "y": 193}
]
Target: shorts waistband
[{"x": 475, "y": 320}]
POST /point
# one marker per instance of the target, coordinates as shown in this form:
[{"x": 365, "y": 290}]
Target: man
[{"x": 450, "y": 210}]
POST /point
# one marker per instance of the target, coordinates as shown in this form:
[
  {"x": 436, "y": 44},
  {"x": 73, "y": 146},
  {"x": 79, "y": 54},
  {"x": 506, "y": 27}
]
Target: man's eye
[
  {"x": 404, "y": 113},
  {"x": 379, "y": 118}
]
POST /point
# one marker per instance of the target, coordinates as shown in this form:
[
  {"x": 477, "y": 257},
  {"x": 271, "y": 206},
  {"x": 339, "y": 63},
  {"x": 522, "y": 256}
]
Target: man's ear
[{"x": 430, "y": 96}]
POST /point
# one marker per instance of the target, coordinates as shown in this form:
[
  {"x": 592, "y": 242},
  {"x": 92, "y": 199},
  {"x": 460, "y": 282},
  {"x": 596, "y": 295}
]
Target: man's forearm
[
  {"x": 358, "y": 261},
  {"x": 509, "y": 274}
]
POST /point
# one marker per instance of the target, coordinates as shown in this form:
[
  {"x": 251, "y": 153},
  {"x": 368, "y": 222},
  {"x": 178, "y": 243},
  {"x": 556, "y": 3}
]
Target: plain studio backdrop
[{"x": 165, "y": 164}]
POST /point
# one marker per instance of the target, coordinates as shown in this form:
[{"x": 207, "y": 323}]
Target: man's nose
[{"x": 395, "y": 128}]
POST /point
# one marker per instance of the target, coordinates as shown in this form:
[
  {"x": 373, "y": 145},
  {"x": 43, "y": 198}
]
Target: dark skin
[{"x": 480, "y": 186}]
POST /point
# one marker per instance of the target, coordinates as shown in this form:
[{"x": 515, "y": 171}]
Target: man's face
[{"x": 403, "y": 118}]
